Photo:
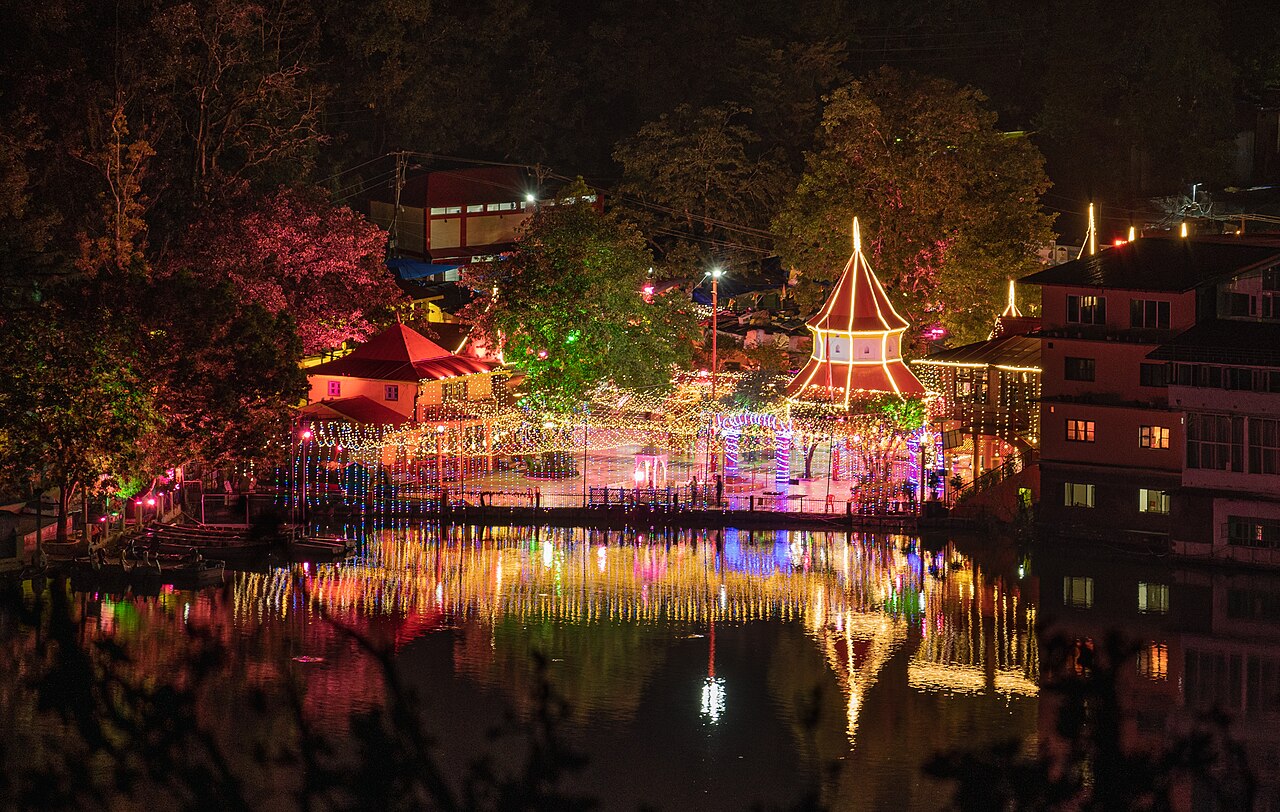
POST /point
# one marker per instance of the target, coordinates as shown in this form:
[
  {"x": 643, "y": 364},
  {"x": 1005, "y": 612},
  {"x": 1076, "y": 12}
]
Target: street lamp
[{"x": 716, "y": 272}]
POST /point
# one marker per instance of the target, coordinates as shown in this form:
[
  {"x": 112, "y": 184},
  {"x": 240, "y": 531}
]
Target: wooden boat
[
  {"x": 146, "y": 573},
  {"x": 236, "y": 546}
]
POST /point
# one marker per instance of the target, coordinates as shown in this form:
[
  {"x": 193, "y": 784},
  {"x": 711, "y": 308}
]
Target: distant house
[
  {"x": 397, "y": 376},
  {"x": 449, "y": 218}
]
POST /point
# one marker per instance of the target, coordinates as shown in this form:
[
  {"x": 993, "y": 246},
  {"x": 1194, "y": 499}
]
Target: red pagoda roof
[
  {"x": 358, "y": 409},
  {"x": 813, "y": 383},
  {"x": 842, "y": 364},
  {"x": 858, "y": 303},
  {"x": 401, "y": 354}
]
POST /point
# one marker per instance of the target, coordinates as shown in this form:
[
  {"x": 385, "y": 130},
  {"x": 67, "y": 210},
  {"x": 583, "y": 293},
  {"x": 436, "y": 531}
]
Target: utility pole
[{"x": 393, "y": 240}]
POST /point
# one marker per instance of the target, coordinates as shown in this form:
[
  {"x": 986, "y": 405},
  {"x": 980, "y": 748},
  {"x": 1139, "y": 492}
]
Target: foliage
[
  {"x": 906, "y": 414},
  {"x": 225, "y": 369},
  {"x": 75, "y": 397},
  {"x": 705, "y": 176},
  {"x": 949, "y": 204},
  {"x": 239, "y": 93},
  {"x": 1149, "y": 117},
  {"x": 294, "y": 253},
  {"x": 569, "y": 311},
  {"x": 115, "y": 240}
]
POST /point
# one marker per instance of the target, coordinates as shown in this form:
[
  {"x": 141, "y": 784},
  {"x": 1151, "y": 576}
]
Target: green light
[{"x": 572, "y": 337}]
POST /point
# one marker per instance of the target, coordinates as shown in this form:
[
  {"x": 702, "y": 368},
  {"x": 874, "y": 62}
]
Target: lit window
[
  {"x": 1153, "y": 598},
  {"x": 1153, "y": 662},
  {"x": 335, "y": 389},
  {"x": 1078, "y": 494},
  {"x": 501, "y": 207},
  {"x": 1087, "y": 309},
  {"x": 473, "y": 209},
  {"x": 391, "y": 392},
  {"x": 1153, "y": 501},
  {"x": 1077, "y": 591},
  {"x": 1080, "y": 431},
  {"x": 443, "y": 210},
  {"x": 1153, "y": 436}
]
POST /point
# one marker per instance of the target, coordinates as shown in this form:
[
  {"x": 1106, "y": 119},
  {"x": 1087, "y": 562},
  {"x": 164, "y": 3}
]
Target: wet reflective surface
[{"x": 696, "y": 669}]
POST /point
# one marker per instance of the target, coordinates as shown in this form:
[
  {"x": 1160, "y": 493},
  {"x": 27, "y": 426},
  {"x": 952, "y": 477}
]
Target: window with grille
[
  {"x": 1244, "y": 531},
  {"x": 1153, "y": 598},
  {"x": 1153, "y": 662},
  {"x": 1149, "y": 314},
  {"x": 1080, "y": 431},
  {"x": 1264, "y": 446},
  {"x": 391, "y": 392},
  {"x": 1078, "y": 369},
  {"x": 1087, "y": 309},
  {"x": 454, "y": 391},
  {"x": 1153, "y": 436},
  {"x": 335, "y": 389},
  {"x": 1215, "y": 441},
  {"x": 1153, "y": 375},
  {"x": 1077, "y": 591}
]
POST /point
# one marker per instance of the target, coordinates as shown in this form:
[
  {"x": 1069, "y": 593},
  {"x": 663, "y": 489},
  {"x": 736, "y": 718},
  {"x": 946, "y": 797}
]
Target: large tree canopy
[
  {"x": 950, "y": 203},
  {"x": 294, "y": 252},
  {"x": 569, "y": 309}
]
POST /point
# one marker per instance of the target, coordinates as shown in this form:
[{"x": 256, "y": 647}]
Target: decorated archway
[{"x": 730, "y": 428}]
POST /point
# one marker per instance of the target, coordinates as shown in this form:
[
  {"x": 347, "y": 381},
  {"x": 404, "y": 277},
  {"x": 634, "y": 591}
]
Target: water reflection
[
  {"x": 860, "y": 599},
  {"x": 775, "y": 660}
]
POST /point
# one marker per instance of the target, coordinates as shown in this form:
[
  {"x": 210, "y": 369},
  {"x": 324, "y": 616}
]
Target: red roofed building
[
  {"x": 397, "y": 376},
  {"x": 857, "y": 341}
]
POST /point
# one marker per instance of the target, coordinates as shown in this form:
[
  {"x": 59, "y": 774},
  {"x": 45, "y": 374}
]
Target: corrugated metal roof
[
  {"x": 1160, "y": 264},
  {"x": 1224, "y": 341},
  {"x": 1006, "y": 351}
]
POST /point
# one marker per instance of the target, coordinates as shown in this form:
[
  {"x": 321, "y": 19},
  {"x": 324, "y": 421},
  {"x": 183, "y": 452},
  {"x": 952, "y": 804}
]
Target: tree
[
  {"x": 705, "y": 191},
  {"x": 76, "y": 399},
  {"x": 225, "y": 370},
  {"x": 1130, "y": 111},
  {"x": 951, "y": 204},
  {"x": 236, "y": 82},
  {"x": 567, "y": 307},
  {"x": 293, "y": 252}
]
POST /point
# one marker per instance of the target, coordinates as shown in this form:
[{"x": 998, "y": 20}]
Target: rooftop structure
[{"x": 857, "y": 340}]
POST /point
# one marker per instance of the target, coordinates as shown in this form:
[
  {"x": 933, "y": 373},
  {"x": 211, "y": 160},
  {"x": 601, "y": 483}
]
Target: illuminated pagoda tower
[{"x": 857, "y": 341}]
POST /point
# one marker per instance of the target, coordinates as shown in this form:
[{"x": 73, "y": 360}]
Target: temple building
[
  {"x": 857, "y": 340},
  {"x": 397, "y": 376}
]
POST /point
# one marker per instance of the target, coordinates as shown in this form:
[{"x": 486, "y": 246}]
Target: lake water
[{"x": 697, "y": 670}]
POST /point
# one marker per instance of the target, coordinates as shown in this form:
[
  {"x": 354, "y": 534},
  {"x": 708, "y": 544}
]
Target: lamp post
[
  {"x": 302, "y": 509},
  {"x": 716, "y": 273},
  {"x": 715, "y": 323}
]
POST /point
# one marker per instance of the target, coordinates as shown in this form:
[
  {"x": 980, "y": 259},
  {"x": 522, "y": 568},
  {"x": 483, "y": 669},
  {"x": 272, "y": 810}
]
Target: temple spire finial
[
  {"x": 1011, "y": 309},
  {"x": 857, "y": 236}
]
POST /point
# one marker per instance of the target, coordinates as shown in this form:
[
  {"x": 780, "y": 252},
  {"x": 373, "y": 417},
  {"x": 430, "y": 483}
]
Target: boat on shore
[
  {"x": 238, "y": 546},
  {"x": 144, "y": 572}
]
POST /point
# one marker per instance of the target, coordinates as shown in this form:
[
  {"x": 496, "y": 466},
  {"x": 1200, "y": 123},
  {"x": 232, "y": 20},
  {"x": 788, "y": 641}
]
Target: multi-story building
[{"x": 1115, "y": 435}]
